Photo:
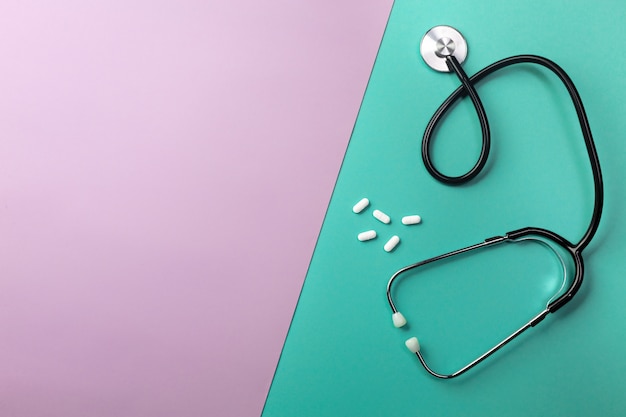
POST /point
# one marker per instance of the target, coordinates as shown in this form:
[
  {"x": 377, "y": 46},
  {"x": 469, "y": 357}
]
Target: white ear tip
[
  {"x": 413, "y": 344},
  {"x": 398, "y": 319}
]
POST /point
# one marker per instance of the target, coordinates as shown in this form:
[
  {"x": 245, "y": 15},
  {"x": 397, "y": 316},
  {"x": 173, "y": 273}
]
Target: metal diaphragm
[{"x": 442, "y": 41}]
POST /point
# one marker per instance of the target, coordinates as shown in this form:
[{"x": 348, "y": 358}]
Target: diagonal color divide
[{"x": 384, "y": 218}]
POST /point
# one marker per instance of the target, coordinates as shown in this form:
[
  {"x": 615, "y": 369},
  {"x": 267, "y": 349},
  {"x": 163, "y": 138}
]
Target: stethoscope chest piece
[{"x": 440, "y": 42}]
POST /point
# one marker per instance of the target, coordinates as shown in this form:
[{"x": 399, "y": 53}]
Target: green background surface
[{"x": 343, "y": 357}]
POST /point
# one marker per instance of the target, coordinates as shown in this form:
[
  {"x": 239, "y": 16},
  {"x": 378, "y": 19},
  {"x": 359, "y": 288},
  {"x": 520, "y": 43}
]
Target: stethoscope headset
[{"x": 443, "y": 48}]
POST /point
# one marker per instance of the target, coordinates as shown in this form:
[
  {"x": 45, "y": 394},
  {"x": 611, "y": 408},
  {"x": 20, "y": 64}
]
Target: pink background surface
[{"x": 165, "y": 167}]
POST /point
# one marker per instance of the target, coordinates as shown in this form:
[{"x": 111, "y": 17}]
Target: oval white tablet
[
  {"x": 381, "y": 216},
  {"x": 369, "y": 235},
  {"x": 413, "y": 219},
  {"x": 391, "y": 243},
  {"x": 360, "y": 206}
]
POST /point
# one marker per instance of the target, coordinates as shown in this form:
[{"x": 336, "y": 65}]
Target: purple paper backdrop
[{"x": 165, "y": 167}]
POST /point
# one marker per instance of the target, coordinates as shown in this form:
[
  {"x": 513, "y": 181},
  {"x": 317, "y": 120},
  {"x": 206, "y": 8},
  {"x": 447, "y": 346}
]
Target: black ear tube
[{"x": 575, "y": 254}]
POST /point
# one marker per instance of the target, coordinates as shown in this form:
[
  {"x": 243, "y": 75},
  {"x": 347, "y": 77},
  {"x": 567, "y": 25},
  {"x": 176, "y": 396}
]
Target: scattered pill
[
  {"x": 391, "y": 243},
  {"x": 381, "y": 216},
  {"x": 369, "y": 235},
  {"x": 360, "y": 206},
  {"x": 414, "y": 219}
]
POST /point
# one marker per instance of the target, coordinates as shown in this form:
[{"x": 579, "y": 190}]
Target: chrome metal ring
[{"x": 442, "y": 41}]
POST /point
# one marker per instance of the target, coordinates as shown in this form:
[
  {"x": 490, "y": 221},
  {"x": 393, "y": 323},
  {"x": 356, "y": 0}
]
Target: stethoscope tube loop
[{"x": 468, "y": 89}]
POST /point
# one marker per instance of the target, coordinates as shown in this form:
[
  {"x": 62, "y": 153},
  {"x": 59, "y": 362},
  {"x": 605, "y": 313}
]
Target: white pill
[
  {"x": 414, "y": 219},
  {"x": 360, "y": 206},
  {"x": 381, "y": 216},
  {"x": 398, "y": 319},
  {"x": 413, "y": 345},
  {"x": 369, "y": 235},
  {"x": 391, "y": 243}
]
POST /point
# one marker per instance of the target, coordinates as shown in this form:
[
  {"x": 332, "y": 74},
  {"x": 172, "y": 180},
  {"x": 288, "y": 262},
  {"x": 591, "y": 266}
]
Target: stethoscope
[{"x": 443, "y": 48}]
